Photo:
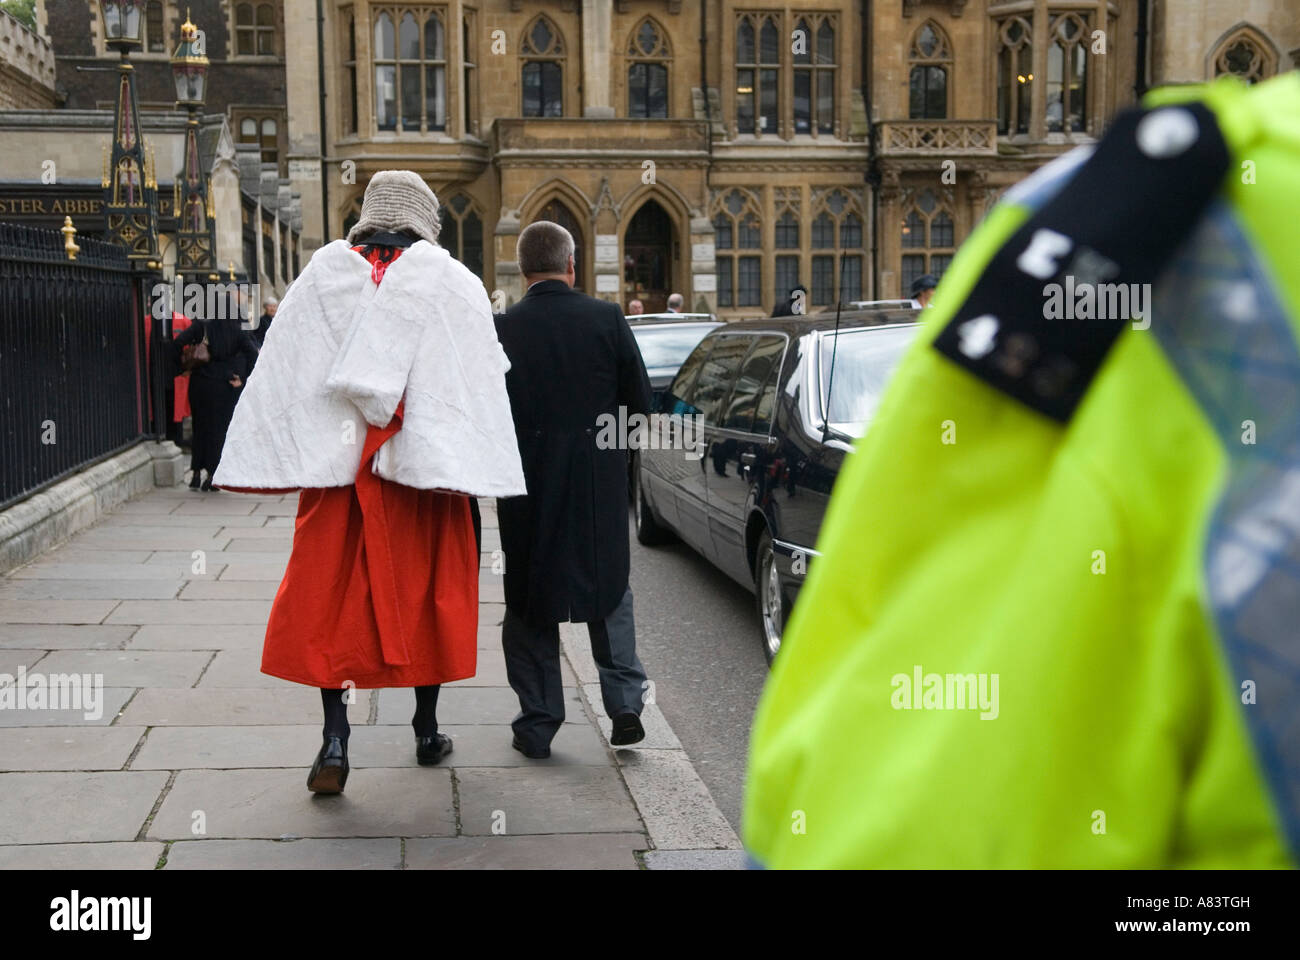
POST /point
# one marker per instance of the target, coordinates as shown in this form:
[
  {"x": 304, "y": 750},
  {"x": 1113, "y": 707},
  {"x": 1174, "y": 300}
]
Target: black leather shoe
[
  {"x": 195, "y": 480},
  {"x": 330, "y": 771},
  {"x": 532, "y": 753},
  {"x": 430, "y": 750},
  {"x": 627, "y": 730}
]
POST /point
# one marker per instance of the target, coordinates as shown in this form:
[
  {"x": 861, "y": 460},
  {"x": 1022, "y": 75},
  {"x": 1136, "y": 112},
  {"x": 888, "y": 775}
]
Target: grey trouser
[{"x": 533, "y": 669}]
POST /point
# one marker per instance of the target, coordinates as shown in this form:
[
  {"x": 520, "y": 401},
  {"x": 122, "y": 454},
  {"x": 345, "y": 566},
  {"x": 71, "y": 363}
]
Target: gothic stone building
[{"x": 729, "y": 149}]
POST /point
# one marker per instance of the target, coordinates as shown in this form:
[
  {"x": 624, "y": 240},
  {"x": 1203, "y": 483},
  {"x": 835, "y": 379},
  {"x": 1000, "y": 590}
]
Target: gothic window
[
  {"x": 647, "y": 72},
  {"x": 758, "y": 73},
  {"x": 813, "y": 52},
  {"x": 928, "y": 240},
  {"x": 1067, "y": 74},
  {"x": 469, "y": 87},
  {"x": 410, "y": 57},
  {"x": 543, "y": 72},
  {"x": 931, "y": 60},
  {"x": 155, "y": 37},
  {"x": 350, "y": 73},
  {"x": 255, "y": 30},
  {"x": 462, "y": 233},
  {"x": 1015, "y": 74},
  {"x": 837, "y": 256},
  {"x": 263, "y": 131},
  {"x": 1243, "y": 55},
  {"x": 738, "y": 241}
]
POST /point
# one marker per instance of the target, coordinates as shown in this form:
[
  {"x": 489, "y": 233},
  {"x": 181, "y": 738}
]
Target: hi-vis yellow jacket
[{"x": 1056, "y": 619}]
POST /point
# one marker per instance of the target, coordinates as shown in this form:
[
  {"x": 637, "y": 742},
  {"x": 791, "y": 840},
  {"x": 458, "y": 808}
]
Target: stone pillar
[
  {"x": 302, "y": 100},
  {"x": 704, "y": 268},
  {"x": 597, "y": 25},
  {"x": 508, "y": 283}
]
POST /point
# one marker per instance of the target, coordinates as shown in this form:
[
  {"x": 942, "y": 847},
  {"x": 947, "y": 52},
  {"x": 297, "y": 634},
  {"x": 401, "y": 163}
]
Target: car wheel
[
  {"x": 649, "y": 530},
  {"x": 767, "y": 593}
]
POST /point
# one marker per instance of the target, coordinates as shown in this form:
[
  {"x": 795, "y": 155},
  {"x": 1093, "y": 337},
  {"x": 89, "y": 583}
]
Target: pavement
[{"x": 199, "y": 761}]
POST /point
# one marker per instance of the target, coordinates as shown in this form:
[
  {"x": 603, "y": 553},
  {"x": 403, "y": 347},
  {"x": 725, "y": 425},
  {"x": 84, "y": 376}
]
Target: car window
[
  {"x": 755, "y": 382},
  {"x": 864, "y": 360},
  {"x": 665, "y": 347},
  {"x": 677, "y": 398},
  {"x": 718, "y": 373}
]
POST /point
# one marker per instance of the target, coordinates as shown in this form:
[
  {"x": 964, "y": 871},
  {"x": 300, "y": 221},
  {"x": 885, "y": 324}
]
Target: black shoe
[
  {"x": 627, "y": 730},
  {"x": 430, "y": 750},
  {"x": 195, "y": 479},
  {"x": 529, "y": 752},
  {"x": 207, "y": 483},
  {"x": 330, "y": 771}
]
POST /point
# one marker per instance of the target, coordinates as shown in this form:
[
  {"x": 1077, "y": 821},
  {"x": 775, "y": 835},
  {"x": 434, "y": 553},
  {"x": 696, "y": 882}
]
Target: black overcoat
[{"x": 572, "y": 359}]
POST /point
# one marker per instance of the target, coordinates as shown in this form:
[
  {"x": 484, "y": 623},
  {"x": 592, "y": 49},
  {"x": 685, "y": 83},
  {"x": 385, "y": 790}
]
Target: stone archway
[{"x": 649, "y": 267}]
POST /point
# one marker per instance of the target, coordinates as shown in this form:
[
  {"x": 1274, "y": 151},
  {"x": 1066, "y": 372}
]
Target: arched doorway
[
  {"x": 557, "y": 212},
  {"x": 648, "y": 258}
]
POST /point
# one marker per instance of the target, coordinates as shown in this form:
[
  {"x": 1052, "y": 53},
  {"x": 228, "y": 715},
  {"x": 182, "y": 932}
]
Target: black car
[
  {"x": 666, "y": 339},
  {"x": 765, "y": 444}
]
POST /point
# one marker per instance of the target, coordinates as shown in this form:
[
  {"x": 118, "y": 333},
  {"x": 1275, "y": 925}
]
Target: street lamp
[
  {"x": 192, "y": 198},
  {"x": 130, "y": 187}
]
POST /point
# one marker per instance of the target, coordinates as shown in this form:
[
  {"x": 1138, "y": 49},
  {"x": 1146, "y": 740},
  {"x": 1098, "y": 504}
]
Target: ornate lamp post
[
  {"x": 196, "y": 237},
  {"x": 130, "y": 187}
]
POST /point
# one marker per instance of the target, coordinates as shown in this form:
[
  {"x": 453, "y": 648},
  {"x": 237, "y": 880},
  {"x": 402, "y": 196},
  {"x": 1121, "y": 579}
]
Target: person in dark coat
[
  {"x": 215, "y": 385},
  {"x": 573, "y": 359},
  {"x": 269, "y": 307}
]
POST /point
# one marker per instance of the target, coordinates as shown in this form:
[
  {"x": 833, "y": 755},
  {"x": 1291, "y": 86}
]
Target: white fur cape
[{"x": 343, "y": 352}]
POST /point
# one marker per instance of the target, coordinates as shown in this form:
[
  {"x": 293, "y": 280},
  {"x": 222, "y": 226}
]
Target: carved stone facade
[
  {"x": 26, "y": 67},
  {"x": 724, "y": 149}
]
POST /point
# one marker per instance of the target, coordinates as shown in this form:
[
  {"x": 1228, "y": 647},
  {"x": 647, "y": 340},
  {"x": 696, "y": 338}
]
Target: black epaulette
[{"x": 1110, "y": 230}]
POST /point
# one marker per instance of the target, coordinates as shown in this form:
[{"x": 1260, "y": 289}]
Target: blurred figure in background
[
  {"x": 635, "y": 308},
  {"x": 675, "y": 302}
]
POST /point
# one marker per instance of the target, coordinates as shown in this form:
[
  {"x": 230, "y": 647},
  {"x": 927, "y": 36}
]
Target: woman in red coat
[{"x": 381, "y": 589}]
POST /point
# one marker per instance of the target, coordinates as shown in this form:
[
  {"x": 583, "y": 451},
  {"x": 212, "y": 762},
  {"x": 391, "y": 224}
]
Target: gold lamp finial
[
  {"x": 69, "y": 238},
  {"x": 188, "y": 30}
]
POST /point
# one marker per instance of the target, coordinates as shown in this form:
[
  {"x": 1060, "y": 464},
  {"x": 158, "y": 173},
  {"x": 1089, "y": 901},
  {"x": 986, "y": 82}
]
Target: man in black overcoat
[{"x": 572, "y": 359}]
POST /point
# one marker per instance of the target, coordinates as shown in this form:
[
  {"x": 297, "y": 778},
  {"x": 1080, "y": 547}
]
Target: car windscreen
[
  {"x": 864, "y": 360},
  {"x": 664, "y": 347}
]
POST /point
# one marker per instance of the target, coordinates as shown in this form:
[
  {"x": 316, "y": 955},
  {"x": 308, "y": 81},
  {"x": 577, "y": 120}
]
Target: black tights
[{"x": 425, "y": 721}]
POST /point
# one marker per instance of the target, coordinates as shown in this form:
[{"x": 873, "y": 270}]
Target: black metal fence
[{"x": 73, "y": 379}]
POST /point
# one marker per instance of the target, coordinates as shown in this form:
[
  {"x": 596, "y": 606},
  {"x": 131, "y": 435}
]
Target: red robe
[
  {"x": 381, "y": 589},
  {"x": 181, "y": 385}
]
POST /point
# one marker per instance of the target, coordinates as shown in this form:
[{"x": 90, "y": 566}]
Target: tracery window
[
  {"x": 647, "y": 73},
  {"x": 931, "y": 60},
  {"x": 738, "y": 241}
]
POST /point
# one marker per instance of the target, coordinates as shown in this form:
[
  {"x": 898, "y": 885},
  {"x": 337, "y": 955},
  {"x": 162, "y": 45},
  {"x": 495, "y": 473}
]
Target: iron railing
[{"x": 73, "y": 383}]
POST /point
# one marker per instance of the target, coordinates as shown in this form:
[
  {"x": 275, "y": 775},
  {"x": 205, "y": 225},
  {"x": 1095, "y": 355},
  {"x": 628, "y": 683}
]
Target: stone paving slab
[
  {"x": 196, "y": 612},
  {"x": 11, "y": 589},
  {"x": 113, "y": 699},
  {"x": 221, "y": 636},
  {"x": 611, "y": 851},
  {"x": 184, "y": 559},
  {"x": 476, "y": 745},
  {"x": 118, "y": 570},
  {"x": 260, "y": 532},
  {"x": 42, "y": 611},
  {"x": 469, "y": 705},
  {"x": 218, "y": 706},
  {"x": 59, "y": 636},
  {"x": 229, "y": 590},
  {"x": 12, "y": 659},
  {"x": 68, "y": 748},
  {"x": 82, "y": 856},
  {"x": 254, "y": 571},
  {"x": 76, "y": 553},
  {"x": 241, "y": 669},
  {"x": 275, "y": 804},
  {"x": 280, "y": 545},
  {"x": 76, "y": 807},
  {"x": 347, "y": 854},
  {"x": 179, "y": 538},
  {"x": 132, "y": 668},
  {"x": 679, "y": 812},
  {"x": 553, "y": 799}
]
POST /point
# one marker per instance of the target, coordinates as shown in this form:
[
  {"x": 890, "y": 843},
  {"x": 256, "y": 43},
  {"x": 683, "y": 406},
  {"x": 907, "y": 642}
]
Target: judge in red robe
[{"x": 381, "y": 589}]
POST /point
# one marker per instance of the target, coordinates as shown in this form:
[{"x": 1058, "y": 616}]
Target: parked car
[
  {"x": 666, "y": 339},
  {"x": 751, "y": 494}
]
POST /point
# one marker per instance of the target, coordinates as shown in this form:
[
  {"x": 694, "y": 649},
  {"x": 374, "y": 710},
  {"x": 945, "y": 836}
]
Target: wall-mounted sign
[
  {"x": 607, "y": 248},
  {"x": 706, "y": 282},
  {"x": 304, "y": 170},
  {"x": 607, "y": 283},
  {"x": 702, "y": 251}
]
